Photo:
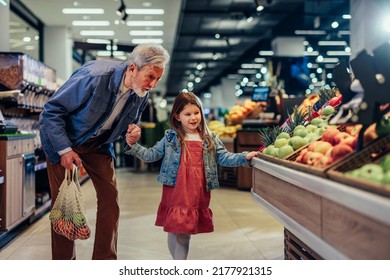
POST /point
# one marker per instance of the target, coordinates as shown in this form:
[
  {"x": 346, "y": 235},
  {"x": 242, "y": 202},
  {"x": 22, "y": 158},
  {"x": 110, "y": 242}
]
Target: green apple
[
  {"x": 385, "y": 163},
  {"x": 317, "y": 121},
  {"x": 299, "y": 127},
  {"x": 386, "y": 178},
  {"x": 320, "y": 130},
  {"x": 280, "y": 142},
  {"x": 297, "y": 142},
  {"x": 353, "y": 172},
  {"x": 372, "y": 172},
  {"x": 285, "y": 151},
  {"x": 300, "y": 132},
  {"x": 268, "y": 149},
  {"x": 312, "y": 136},
  {"x": 311, "y": 127},
  {"x": 283, "y": 135},
  {"x": 327, "y": 111},
  {"x": 54, "y": 215},
  {"x": 274, "y": 152}
]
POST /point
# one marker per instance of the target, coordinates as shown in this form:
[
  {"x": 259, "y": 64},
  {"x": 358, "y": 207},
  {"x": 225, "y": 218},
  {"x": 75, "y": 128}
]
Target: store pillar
[
  {"x": 58, "y": 50},
  {"x": 4, "y": 23}
]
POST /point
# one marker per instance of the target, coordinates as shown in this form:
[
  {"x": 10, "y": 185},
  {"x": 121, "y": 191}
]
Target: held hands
[
  {"x": 70, "y": 158},
  {"x": 133, "y": 134}
]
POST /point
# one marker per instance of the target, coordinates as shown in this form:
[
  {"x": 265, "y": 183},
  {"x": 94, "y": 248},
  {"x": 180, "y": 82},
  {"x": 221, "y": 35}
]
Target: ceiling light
[
  {"x": 146, "y": 32},
  {"x": 145, "y": 11},
  {"x": 98, "y": 41},
  {"x": 336, "y": 53},
  {"x": 89, "y": 11},
  {"x": 97, "y": 33},
  {"x": 332, "y": 43},
  {"x": 310, "y": 32},
  {"x": 3, "y": 2},
  {"x": 260, "y": 60},
  {"x": 259, "y": 6},
  {"x": 90, "y": 23},
  {"x": 145, "y": 23},
  {"x": 121, "y": 10},
  {"x": 141, "y": 41},
  {"x": 266, "y": 53}
]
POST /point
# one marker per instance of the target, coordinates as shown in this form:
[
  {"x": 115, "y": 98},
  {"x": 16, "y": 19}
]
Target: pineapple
[
  {"x": 324, "y": 96},
  {"x": 298, "y": 117},
  {"x": 269, "y": 134}
]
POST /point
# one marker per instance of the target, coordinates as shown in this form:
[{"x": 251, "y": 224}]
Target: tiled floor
[{"x": 243, "y": 230}]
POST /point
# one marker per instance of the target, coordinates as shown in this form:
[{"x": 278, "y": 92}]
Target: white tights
[{"x": 179, "y": 245}]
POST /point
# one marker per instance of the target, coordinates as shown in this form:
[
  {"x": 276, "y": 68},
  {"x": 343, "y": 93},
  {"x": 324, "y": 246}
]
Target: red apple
[
  {"x": 323, "y": 162},
  {"x": 340, "y": 150},
  {"x": 329, "y": 134},
  {"x": 351, "y": 141},
  {"x": 310, "y": 158},
  {"x": 340, "y": 137}
]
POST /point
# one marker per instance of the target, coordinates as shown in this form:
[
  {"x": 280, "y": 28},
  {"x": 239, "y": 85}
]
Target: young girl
[{"x": 188, "y": 172}]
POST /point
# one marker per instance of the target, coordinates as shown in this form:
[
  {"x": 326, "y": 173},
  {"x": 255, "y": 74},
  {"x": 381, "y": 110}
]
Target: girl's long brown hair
[{"x": 183, "y": 99}]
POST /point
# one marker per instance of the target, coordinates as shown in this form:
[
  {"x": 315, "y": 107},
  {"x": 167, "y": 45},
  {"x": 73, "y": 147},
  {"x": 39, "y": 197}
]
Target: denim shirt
[
  {"x": 81, "y": 106},
  {"x": 169, "y": 149}
]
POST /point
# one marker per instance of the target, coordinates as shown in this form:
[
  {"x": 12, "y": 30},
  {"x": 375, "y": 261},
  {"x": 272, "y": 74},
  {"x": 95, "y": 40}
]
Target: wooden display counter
[{"x": 336, "y": 221}]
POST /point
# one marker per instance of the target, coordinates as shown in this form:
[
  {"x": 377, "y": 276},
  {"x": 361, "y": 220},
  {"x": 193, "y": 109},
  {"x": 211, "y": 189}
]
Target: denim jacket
[
  {"x": 169, "y": 149},
  {"x": 82, "y": 104}
]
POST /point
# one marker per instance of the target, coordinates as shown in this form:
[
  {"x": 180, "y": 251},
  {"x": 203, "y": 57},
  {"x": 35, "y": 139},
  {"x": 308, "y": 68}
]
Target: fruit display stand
[
  {"x": 247, "y": 140},
  {"x": 334, "y": 220},
  {"x": 227, "y": 175}
]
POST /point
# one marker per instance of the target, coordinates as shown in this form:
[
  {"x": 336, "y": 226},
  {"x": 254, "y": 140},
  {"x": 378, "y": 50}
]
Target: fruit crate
[
  {"x": 290, "y": 161},
  {"x": 373, "y": 153},
  {"x": 295, "y": 249}
]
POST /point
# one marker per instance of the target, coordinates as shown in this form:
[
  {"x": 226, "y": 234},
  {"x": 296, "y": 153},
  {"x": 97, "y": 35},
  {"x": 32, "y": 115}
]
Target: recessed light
[
  {"x": 90, "y": 11},
  {"x": 146, "y": 32},
  {"x": 145, "y": 11},
  {"x": 90, "y": 23},
  {"x": 141, "y": 41},
  {"x": 97, "y": 33},
  {"x": 145, "y": 23}
]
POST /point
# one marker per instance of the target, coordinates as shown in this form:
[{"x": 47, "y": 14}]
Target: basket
[
  {"x": 320, "y": 172},
  {"x": 373, "y": 153}
]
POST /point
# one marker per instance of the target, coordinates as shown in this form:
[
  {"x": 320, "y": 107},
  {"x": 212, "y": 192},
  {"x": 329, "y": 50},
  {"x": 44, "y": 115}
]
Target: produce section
[{"x": 333, "y": 193}]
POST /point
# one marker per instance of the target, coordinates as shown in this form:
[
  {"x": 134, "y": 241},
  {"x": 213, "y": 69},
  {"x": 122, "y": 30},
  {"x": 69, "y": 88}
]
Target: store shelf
[
  {"x": 368, "y": 204},
  {"x": 336, "y": 221}
]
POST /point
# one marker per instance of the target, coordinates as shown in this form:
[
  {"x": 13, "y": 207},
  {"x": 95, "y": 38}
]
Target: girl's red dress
[{"x": 184, "y": 209}]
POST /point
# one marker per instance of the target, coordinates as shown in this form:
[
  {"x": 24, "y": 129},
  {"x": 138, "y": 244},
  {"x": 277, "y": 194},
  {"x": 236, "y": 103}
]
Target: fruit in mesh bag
[
  {"x": 55, "y": 214},
  {"x": 58, "y": 225},
  {"x": 78, "y": 219},
  {"x": 83, "y": 232}
]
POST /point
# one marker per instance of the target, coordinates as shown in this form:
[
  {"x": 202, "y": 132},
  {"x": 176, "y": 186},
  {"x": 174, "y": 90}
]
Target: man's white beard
[{"x": 140, "y": 92}]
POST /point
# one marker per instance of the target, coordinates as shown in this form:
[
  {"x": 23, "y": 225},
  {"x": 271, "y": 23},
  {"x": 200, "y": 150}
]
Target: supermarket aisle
[{"x": 243, "y": 229}]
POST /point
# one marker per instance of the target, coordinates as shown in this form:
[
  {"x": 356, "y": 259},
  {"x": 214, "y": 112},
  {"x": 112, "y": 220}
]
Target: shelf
[
  {"x": 368, "y": 204},
  {"x": 337, "y": 221}
]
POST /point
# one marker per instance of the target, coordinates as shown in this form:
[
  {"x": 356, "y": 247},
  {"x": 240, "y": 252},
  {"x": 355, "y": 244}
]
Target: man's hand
[
  {"x": 70, "y": 158},
  {"x": 133, "y": 134}
]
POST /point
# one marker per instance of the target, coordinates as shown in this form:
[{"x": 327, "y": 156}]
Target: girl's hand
[{"x": 251, "y": 155}]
